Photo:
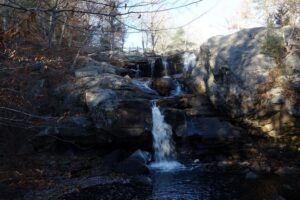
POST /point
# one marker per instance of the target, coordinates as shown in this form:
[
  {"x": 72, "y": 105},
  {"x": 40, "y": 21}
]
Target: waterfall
[
  {"x": 144, "y": 86},
  {"x": 151, "y": 61},
  {"x": 166, "y": 66},
  {"x": 189, "y": 61},
  {"x": 138, "y": 71},
  {"x": 164, "y": 150},
  {"x": 162, "y": 136},
  {"x": 177, "y": 90}
]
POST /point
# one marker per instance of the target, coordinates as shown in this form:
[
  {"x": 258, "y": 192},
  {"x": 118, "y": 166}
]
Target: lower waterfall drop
[
  {"x": 138, "y": 71},
  {"x": 163, "y": 144},
  {"x": 152, "y": 66},
  {"x": 166, "y": 66}
]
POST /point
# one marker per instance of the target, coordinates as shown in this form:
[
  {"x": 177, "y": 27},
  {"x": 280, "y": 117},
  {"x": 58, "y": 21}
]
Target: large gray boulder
[
  {"x": 117, "y": 106},
  {"x": 106, "y": 81},
  {"x": 100, "y": 97},
  {"x": 211, "y": 128},
  {"x": 135, "y": 164},
  {"x": 70, "y": 97},
  {"x": 249, "y": 85},
  {"x": 124, "y": 118},
  {"x": 102, "y": 107},
  {"x": 94, "y": 68},
  {"x": 177, "y": 119}
]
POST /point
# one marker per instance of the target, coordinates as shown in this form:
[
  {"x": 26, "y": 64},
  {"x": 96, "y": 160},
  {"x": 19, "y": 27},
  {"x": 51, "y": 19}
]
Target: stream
[
  {"x": 174, "y": 177},
  {"x": 191, "y": 182}
]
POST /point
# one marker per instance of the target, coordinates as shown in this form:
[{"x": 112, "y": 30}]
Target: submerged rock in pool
[{"x": 135, "y": 164}]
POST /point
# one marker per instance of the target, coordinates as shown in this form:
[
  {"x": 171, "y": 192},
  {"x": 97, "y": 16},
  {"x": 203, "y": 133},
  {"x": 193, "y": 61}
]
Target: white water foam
[
  {"x": 138, "y": 71},
  {"x": 144, "y": 86},
  {"x": 177, "y": 90},
  {"x": 166, "y": 67},
  {"x": 151, "y": 61},
  {"x": 164, "y": 150},
  {"x": 167, "y": 166},
  {"x": 189, "y": 61}
]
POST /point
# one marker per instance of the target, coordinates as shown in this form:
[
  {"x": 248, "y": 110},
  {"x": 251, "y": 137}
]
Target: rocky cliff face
[{"x": 251, "y": 86}]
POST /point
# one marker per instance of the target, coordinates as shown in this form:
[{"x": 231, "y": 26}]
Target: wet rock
[
  {"x": 163, "y": 86},
  {"x": 142, "y": 180},
  {"x": 177, "y": 119},
  {"x": 3, "y": 56},
  {"x": 115, "y": 106},
  {"x": 106, "y": 81},
  {"x": 136, "y": 58},
  {"x": 141, "y": 156},
  {"x": 244, "y": 164},
  {"x": 287, "y": 187},
  {"x": 225, "y": 163},
  {"x": 38, "y": 66},
  {"x": 255, "y": 165},
  {"x": 77, "y": 131},
  {"x": 284, "y": 171},
  {"x": 279, "y": 198},
  {"x": 158, "y": 68},
  {"x": 103, "y": 97},
  {"x": 251, "y": 176},
  {"x": 70, "y": 96},
  {"x": 74, "y": 126},
  {"x": 179, "y": 102},
  {"x": 211, "y": 127},
  {"x": 144, "y": 86},
  {"x": 70, "y": 188},
  {"x": 123, "y": 87},
  {"x": 112, "y": 159},
  {"x": 134, "y": 164},
  {"x": 87, "y": 71},
  {"x": 127, "y": 118},
  {"x": 94, "y": 68}
]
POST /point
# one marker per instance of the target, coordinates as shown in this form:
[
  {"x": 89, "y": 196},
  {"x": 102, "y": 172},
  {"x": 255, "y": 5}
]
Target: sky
[{"x": 218, "y": 15}]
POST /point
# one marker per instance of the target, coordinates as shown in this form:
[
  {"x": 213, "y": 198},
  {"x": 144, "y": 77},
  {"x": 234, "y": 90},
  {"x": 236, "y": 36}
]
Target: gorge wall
[{"x": 251, "y": 86}]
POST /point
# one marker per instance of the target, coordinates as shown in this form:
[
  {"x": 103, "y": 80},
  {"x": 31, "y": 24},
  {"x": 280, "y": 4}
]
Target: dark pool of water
[{"x": 195, "y": 181}]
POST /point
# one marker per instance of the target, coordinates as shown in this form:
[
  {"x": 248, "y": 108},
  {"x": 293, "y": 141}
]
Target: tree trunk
[
  {"x": 70, "y": 39},
  {"x": 63, "y": 30},
  {"x": 5, "y": 18},
  {"x": 153, "y": 41},
  {"x": 43, "y": 25},
  {"x": 52, "y": 28},
  {"x": 143, "y": 43}
]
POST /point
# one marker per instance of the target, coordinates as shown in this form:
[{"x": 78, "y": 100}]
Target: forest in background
[{"x": 105, "y": 24}]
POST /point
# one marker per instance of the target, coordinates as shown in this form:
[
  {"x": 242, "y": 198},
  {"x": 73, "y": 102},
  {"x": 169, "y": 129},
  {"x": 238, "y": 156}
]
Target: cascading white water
[
  {"x": 177, "y": 90},
  {"x": 189, "y": 61},
  {"x": 144, "y": 86},
  {"x": 162, "y": 136},
  {"x": 164, "y": 150},
  {"x": 166, "y": 66},
  {"x": 151, "y": 61},
  {"x": 138, "y": 71}
]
